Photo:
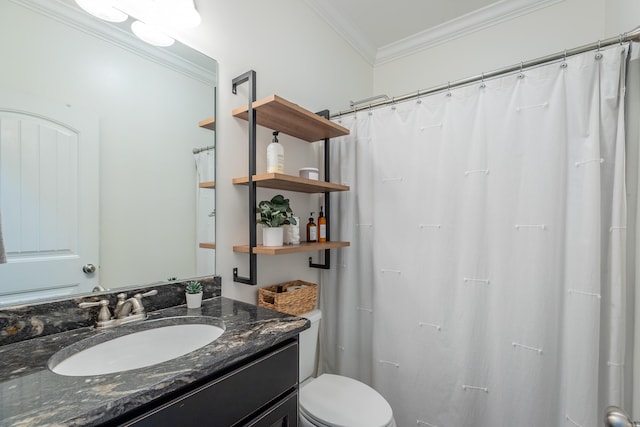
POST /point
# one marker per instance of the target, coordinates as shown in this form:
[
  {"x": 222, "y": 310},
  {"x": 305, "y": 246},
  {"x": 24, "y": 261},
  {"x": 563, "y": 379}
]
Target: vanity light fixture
[{"x": 153, "y": 19}]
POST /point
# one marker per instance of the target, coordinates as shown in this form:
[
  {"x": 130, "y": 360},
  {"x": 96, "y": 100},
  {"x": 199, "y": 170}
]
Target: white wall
[
  {"x": 564, "y": 25},
  {"x": 621, "y": 16},
  {"x": 147, "y": 177},
  {"x": 297, "y": 56}
]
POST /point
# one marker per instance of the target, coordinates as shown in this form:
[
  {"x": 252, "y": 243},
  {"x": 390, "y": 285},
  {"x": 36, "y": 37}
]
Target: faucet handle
[
  {"x": 104, "y": 313},
  {"x": 140, "y": 308},
  {"x": 147, "y": 294}
]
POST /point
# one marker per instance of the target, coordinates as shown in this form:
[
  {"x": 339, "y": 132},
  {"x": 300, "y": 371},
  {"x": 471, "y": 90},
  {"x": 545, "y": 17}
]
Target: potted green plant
[
  {"x": 274, "y": 214},
  {"x": 193, "y": 291}
]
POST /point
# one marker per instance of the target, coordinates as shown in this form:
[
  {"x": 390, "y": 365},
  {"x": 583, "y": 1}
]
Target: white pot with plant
[
  {"x": 274, "y": 214},
  {"x": 193, "y": 291}
]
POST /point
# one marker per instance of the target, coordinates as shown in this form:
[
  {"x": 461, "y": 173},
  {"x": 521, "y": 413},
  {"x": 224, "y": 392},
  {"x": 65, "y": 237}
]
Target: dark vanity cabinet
[{"x": 261, "y": 391}]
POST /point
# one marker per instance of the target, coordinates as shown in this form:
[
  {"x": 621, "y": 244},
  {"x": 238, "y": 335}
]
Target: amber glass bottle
[
  {"x": 322, "y": 227},
  {"x": 312, "y": 230}
]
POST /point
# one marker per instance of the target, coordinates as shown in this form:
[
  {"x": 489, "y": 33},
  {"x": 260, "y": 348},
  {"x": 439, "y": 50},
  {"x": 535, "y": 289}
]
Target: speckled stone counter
[
  {"x": 40, "y": 318},
  {"x": 32, "y": 395}
]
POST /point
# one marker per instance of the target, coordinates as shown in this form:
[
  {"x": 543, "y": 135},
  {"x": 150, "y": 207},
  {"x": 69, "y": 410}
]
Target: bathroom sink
[{"x": 136, "y": 346}]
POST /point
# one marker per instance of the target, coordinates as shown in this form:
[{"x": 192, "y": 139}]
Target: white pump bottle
[{"x": 275, "y": 156}]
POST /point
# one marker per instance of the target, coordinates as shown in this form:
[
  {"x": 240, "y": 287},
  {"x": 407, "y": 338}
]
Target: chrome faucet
[
  {"x": 126, "y": 310},
  {"x": 125, "y": 306}
]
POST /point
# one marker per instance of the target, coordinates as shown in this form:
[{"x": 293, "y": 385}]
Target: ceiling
[{"x": 382, "y": 31}]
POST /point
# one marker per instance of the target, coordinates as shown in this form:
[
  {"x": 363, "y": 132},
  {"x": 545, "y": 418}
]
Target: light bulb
[
  {"x": 178, "y": 13},
  {"x": 103, "y": 10},
  {"x": 151, "y": 34}
]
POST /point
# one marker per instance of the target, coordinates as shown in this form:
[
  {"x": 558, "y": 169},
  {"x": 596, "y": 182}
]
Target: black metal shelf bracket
[
  {"x": 327, "y": 201},
  {"x": 250, "y": 78}
]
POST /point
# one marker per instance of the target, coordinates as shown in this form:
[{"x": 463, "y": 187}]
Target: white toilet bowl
[
  {"x": 334, "y": 400},
  {"x": 337, "y": 401}
]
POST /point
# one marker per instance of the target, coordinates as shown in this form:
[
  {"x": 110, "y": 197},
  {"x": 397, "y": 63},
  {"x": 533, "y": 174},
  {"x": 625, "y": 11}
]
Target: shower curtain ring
[
  {"x": 419, "y": 101},
  {"x": 598, "y": 53},
  {"x": 449, "y": 88},
  {"x": 521, "y": 74},
  {"x": 621, "y": 37},
  {"x": 393, "y": 103},
  {"x": 564, "y": 61},
  {"x": 482, "y": 85}
]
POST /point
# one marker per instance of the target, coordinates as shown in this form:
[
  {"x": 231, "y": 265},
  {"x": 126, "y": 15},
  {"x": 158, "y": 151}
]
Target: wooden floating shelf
[
  {"x": 209, "y": 123},
  {"x": 207, "y": 245},
  {"x": 278, "y": 181},
  {"x": 279, "y": 114},
  {"x": 207, "y": 184},
  {"x": 290, "y": 249}
]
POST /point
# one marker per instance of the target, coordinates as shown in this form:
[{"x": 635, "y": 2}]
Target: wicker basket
[{"x": 293, "y": 302}]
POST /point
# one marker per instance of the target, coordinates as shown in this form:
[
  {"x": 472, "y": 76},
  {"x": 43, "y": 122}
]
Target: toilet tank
[{"x": 308, "y": 343}]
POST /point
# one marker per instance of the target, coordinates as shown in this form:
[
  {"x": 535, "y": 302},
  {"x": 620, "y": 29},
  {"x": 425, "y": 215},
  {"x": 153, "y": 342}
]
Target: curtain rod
[
  {"x": 198, "y": 150},
  {"x": 622, "y": 38}
]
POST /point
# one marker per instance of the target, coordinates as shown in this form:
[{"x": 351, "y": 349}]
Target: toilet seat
[{"x": 337, "y": 401}]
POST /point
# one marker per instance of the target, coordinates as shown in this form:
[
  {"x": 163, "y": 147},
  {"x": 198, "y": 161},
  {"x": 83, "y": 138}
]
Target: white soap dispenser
[{"x": 275, "y": 156}]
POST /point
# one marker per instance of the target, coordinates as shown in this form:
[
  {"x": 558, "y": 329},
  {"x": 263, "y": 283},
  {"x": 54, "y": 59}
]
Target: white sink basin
[{"x": 136, "y": 346}]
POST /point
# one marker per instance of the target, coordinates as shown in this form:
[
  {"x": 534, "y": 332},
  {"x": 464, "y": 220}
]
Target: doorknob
[
  {"x": 616, "y": 417},
  {"x": 89, "y": 268}
]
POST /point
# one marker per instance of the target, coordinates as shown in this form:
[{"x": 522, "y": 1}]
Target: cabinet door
[
  {"x": 229, "y": 400},
  {"x": 282, "y": 414}
]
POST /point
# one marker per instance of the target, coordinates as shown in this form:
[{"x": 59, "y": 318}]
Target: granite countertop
[{"x": 30, "y": 394}]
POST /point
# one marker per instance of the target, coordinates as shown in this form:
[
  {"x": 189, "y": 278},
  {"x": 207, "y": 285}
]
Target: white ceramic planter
[
  {"x": 272, "y": 236},
  {"x": 194, "y": 300}
]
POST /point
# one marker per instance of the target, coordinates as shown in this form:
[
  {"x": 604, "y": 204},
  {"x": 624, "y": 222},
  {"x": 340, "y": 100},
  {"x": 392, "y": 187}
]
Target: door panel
[{"x": 48, "y": 198}]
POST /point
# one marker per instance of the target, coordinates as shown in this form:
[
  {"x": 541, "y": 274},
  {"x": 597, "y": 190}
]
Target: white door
[{"x": 48, "y": 198}]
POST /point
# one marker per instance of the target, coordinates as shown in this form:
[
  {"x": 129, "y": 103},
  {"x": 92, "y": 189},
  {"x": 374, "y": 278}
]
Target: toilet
[{"x": 334, "y": 400}]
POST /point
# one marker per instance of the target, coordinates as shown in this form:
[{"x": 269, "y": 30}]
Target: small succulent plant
[{"x": 193, "y": 288}]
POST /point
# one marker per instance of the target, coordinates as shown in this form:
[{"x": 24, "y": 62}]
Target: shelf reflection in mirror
[{"x": 147, "y": 103}]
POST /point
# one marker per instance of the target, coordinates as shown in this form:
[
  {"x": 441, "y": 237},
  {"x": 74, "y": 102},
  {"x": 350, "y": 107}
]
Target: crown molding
[
  {"x": 177, "y": 57},
  {"x": 477, "y": 20},
  {"x": 346, "y": 29},
  {"x": 485, "y": 17}
]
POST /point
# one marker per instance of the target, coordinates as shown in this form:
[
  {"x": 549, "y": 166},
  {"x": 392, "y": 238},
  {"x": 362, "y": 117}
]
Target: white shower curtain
[
  {"x": 205, "y": 212},
  {"x": 485, "y": 284}
]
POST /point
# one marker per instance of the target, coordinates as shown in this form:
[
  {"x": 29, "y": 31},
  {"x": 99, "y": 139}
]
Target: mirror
[{"x": 155, "y": 212}]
